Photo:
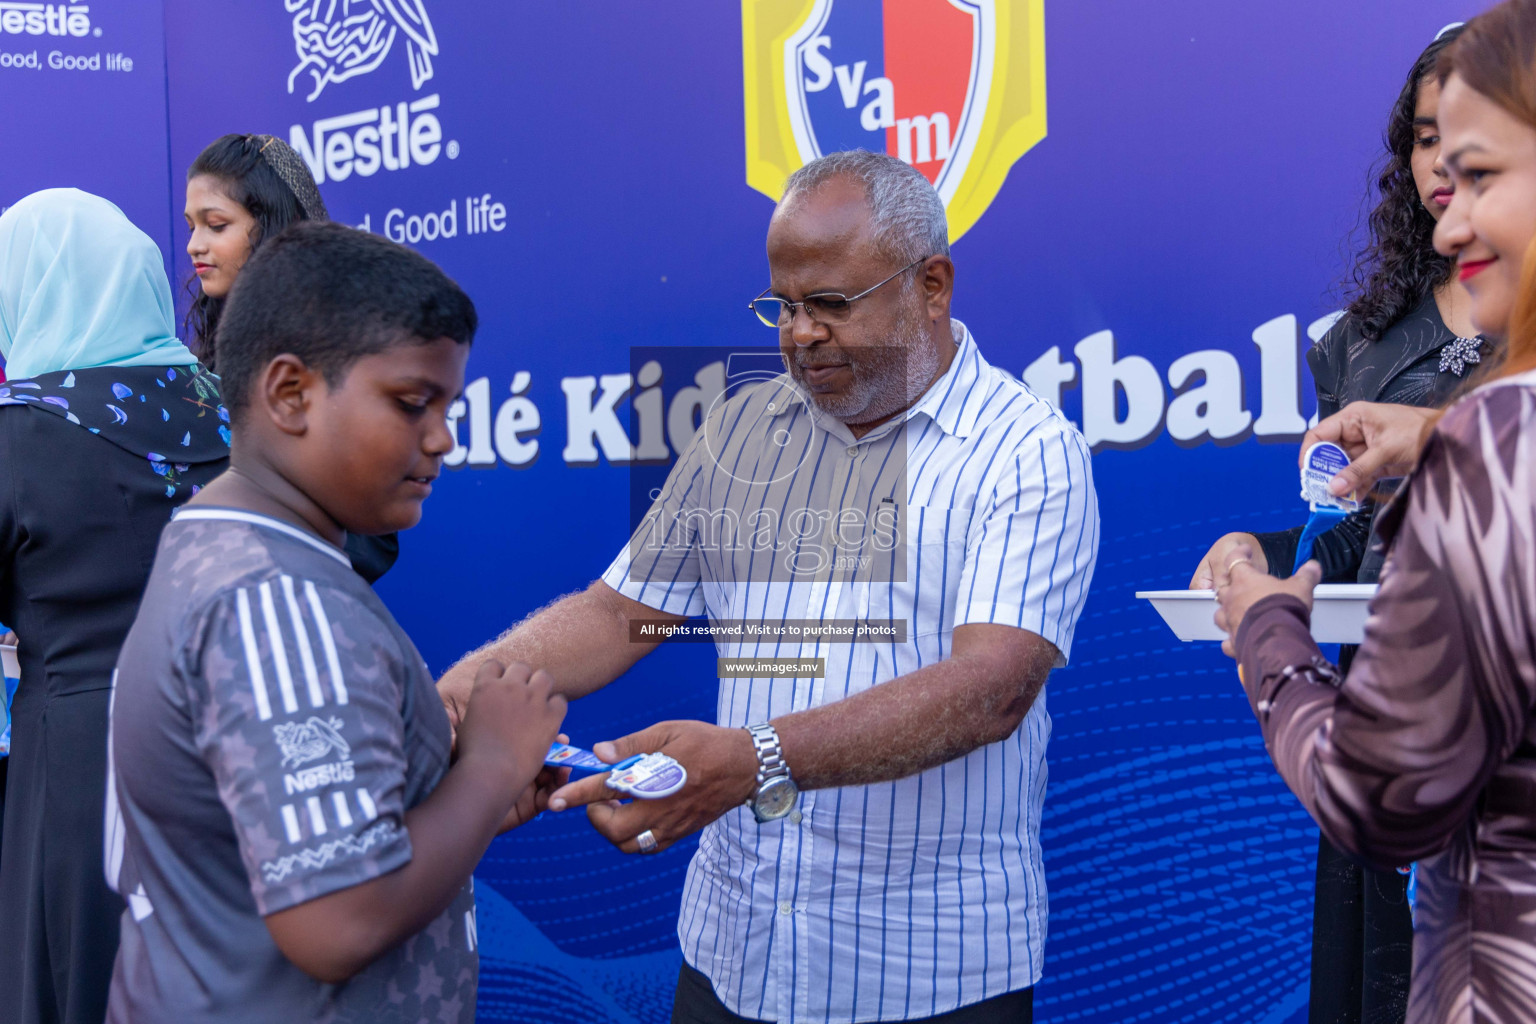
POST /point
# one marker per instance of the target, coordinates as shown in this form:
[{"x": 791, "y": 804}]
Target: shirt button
[
  {"x": 853, "y": 450},
  {"x": 794, "y": 818},
  {"x": 785, "y": 908}
]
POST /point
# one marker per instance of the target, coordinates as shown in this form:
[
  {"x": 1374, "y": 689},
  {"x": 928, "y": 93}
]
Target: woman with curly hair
[{"x": 1405, "y": 338}]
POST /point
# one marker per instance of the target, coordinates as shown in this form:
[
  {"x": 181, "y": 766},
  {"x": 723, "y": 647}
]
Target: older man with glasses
[{"x": 905, "y": 535}]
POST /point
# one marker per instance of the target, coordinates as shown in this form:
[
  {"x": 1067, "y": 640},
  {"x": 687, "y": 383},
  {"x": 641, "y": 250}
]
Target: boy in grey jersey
[
  {"x": 284, "y": 820},
  {"x": 272, "y": 724}
]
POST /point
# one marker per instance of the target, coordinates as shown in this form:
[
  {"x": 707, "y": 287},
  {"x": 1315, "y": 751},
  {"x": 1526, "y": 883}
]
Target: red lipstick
[{"x": 1472, "y": 269}]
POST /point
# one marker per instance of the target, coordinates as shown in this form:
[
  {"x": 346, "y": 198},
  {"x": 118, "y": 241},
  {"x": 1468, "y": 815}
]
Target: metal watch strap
[{"x": 770, "y": 756}]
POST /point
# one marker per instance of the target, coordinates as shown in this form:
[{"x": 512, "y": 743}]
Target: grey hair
[{"x": 906, "y": 215}]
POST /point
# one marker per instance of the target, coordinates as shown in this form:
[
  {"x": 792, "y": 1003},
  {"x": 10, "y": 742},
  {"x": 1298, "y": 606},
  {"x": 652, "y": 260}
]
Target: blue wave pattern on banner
[
  {"x": 525, "y": 977},
  {"x": 1180, "y": 868}
]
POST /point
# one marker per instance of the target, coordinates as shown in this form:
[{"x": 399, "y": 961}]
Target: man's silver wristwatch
[{"x": 776, "y": 792}]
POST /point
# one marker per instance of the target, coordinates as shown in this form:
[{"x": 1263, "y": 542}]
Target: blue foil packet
[
  {"x": 647, "y": 776},
  {"x": 1318, "y": 523},
  {"x": 1322, "y": 462},
  {"x": 563, "y": 755},
  {"x": 9, "y": 691}
]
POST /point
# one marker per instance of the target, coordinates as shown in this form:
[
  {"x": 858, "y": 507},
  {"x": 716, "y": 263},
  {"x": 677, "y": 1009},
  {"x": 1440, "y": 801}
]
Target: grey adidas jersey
[{"x": 271, "y": 726}]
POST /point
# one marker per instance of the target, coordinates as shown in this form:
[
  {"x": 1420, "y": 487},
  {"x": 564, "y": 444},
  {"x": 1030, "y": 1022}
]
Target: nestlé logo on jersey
[
  {"x": 339, "y": 40},
  {"x": 956, "y": 88},
  {"x": 42, "y": 19}
]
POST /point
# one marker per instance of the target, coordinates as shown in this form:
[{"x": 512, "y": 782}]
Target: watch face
[{"x": 775, "y": 799}]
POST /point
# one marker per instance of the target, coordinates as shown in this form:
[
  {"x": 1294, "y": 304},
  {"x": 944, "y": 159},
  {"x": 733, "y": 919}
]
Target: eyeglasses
[{"x": 830, "y": 308}]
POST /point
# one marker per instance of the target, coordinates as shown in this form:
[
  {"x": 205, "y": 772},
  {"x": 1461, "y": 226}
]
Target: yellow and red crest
[{"x": 954, "y": 87}]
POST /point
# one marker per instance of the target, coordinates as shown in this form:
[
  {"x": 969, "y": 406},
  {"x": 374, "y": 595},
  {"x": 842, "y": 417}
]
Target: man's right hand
[
  {"x": 1382, "y": 441},
  {"x": 1233, "y": 545},
  {"x": 513, "y": 715}
]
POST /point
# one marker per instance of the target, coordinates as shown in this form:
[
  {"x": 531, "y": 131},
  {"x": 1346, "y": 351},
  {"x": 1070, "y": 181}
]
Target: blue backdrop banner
[
  {"x": 1152, "y": 206},
  {"x": 82, "y": 104}
]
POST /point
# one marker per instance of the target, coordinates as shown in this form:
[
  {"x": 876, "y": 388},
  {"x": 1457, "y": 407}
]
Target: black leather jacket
[{"x": 1402, "y": 367}]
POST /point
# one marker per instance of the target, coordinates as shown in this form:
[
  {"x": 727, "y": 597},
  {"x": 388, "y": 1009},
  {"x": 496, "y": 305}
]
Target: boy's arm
[
  {"x": 299, "y": 697},
  {"x": 337, "y": 935}
]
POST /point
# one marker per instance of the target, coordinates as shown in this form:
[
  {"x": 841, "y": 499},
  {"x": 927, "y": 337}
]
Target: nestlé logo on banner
[
  {"x": 25, "y": 22},
  {"x": 40, "y": 19},
  {"x": 339, "y": 40}
]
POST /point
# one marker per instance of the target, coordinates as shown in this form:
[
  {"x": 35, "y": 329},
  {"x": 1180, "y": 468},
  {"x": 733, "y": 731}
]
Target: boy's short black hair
[{"x": 331, "y": 295}]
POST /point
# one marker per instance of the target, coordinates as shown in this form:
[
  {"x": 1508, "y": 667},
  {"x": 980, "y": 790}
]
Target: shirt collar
[
  {"x": 233, "y": 515},
  {"x": 952, "y": 401}
]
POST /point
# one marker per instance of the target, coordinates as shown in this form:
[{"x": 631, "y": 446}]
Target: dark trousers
[
  {"x": 696, "y": 1003},
  {"x": 1362, "y": 943},
  {"x": 58, "y": 919}
]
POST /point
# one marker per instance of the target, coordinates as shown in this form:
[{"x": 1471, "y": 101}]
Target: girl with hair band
[
  {"x": 106, "y": 424},
  {"x": 1406, "y": 338},
  {"x": 1424, "y": 752},
  {"x": 241, "y": 191}
]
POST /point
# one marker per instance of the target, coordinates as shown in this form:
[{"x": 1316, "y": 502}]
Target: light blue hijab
[{"x": 80, "y": 286}]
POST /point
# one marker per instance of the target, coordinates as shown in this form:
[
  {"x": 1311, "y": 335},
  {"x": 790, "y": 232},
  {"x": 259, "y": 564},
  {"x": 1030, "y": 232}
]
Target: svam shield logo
[{"x": 956, "y": 88}]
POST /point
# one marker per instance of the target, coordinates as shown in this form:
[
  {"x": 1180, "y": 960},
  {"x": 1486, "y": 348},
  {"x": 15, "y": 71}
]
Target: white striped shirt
[{"x": 903, "y": 899}]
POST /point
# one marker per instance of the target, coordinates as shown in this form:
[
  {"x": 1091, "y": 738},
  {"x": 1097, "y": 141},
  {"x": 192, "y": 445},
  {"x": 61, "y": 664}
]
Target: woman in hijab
[{"x": 107, "y": 423}]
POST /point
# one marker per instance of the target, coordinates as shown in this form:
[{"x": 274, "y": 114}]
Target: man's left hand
[
  {"x": 1239, "y": 585},
  {"x": 722, "y": 773}
]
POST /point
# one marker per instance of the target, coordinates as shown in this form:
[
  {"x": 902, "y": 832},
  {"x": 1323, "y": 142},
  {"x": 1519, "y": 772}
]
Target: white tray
[
  {"x": 10, "y": 668},
  {"x": 1338, "y": 612}
]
